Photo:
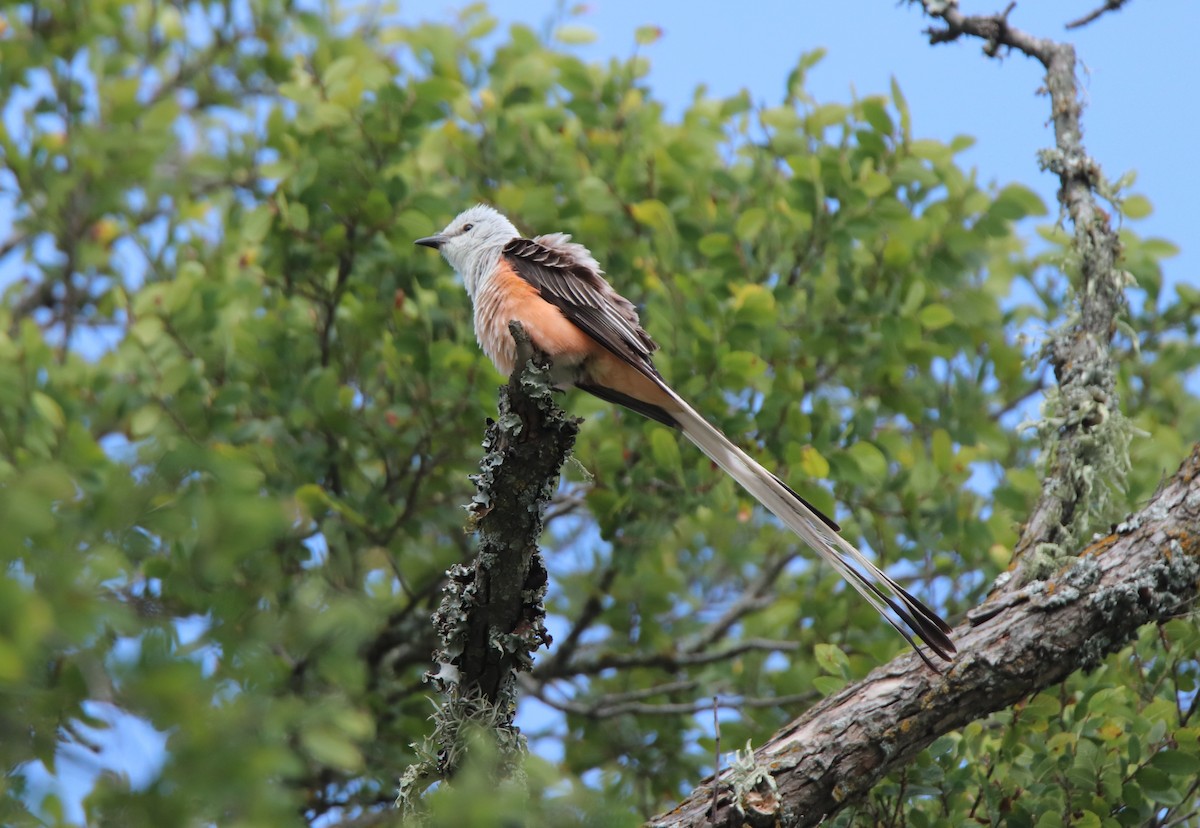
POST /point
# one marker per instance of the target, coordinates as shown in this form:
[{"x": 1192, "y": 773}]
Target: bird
[{"x": 595, "y": 342}]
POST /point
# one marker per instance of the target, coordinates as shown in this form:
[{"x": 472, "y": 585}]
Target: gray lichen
[
  {"x": 1072, "y": 584},
  {"x": 491, "y": 616}
]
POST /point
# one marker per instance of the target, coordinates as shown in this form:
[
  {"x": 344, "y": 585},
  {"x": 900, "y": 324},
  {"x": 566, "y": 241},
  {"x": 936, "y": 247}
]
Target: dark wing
[{"x": 568, "y": 277}]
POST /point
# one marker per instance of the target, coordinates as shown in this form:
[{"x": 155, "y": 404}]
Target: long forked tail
[{"x": 821, "y": 534}]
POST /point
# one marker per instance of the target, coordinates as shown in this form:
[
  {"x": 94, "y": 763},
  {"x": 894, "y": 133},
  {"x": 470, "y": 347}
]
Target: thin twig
[
  {"x": 1111, "y": 5},
  {"x": 716, "y": 760}
]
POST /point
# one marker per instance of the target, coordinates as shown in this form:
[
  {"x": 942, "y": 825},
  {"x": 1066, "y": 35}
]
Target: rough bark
[
  {"x": 1145, "y": 571},
  {"x": 491, "y": 617}
]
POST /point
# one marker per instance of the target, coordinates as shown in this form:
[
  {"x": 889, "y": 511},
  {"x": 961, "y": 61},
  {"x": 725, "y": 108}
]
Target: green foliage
[
  {"x": 1120, "y": 746},
  {"x": 232, "y": 522}
]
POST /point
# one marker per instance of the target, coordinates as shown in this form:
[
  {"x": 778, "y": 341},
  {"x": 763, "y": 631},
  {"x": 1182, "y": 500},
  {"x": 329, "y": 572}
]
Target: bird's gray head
[{"x": 472, "y": 242}]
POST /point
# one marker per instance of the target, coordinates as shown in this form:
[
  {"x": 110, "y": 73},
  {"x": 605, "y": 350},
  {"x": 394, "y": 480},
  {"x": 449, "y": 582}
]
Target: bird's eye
[{"x": 467, "y": 227}]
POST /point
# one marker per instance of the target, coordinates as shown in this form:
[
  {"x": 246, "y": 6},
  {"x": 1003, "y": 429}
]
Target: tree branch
[
  {"x": 1145, "y": 571},
  {"x": 1111, "y": 5},
  {"x": 1085, "y": 438},
  {"x": 491, "y": 618}
]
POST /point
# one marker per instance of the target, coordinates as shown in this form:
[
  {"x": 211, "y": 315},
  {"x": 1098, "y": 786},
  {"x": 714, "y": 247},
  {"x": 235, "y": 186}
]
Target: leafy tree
[{"x": 238, "y": 411}]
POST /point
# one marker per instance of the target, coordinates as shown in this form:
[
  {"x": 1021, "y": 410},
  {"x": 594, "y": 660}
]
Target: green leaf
[
  {"x": 48, "y": 409},
  {"x": 646, "y": 35},
  {"x": 832, "y": 660},
  {"x": 255, "y": 224},
  {"x": 1017, "y": 201},
  {"x": 1176, "y": 762},
  {"x": 1136, "y": 207},
  {"x": 330, "y": 747},
  {"x": 875, "y": 111},
  {"x": 715, "y": 244},
  {"x": 750, "y": 224},
  {"x": 913, "y": 298},
  {"x": 828, "y": 685},
  {"x": 664, "y": 448},
  {"x": 1159, "y": 248},
  {"x": 869, "y": 459},
  {"x": 1157, "y": 786},
  {"x": 754, "y": 303},
  {"x": 874, "y": 184},
  {"x": 935, "y": 317},
  {"x": 1050, "y": 819},
  {"x": 813, "y": 464},
  {"x": 654, "y": 214},
  {"x": 942, "y": 450},
  {"x": 901, "y": 104},
  {"x": 574, "y": 35},
  {"x": 1043, "y": 705},
  {"x": 742, "y": 367},
  {"x": 12, "y": 665},
  {"x": 144, "y": 420}
]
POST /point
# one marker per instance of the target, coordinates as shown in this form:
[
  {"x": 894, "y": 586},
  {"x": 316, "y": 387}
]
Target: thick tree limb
[
  {"x": 491, "y": 618},
  {"x": 1146, "y": 571},
  {"x": 501, "y": 593}
]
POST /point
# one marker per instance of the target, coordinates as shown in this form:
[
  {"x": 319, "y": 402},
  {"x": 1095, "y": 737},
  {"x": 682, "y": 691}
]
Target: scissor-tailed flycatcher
[{"x": 557, "y": 291}]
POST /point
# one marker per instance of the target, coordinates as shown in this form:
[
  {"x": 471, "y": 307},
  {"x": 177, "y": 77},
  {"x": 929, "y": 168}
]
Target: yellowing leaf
[
  {"x": 654, "y": 214},
  {"x": 646, "y": 35},
  {"x": 754, "y": 302},
  {"x": 47, "y": 408},
  {"x": 812, "y": 463},
  {"x": 12, "y": 666}
]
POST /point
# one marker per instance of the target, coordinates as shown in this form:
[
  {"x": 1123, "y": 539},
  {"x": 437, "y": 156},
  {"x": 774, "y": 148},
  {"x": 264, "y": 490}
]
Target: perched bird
[{"x": 595, "y": 341}]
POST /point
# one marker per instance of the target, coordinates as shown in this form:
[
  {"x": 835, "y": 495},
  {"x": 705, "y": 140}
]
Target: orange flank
[
  {"x": 607, "y": 370},
  {"x": 507, "y": 297}
]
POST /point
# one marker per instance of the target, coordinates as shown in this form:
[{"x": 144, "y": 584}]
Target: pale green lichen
[
  {"x": 456, "y": 722},
  {"x": 752, "y": 784},
  {"x": 1086, "y": 474}
]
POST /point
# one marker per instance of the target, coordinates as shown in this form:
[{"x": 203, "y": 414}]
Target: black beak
[{"x": 432, "y": 241}]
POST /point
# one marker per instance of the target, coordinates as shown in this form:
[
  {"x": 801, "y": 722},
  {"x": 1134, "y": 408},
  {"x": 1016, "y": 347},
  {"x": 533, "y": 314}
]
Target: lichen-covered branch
[
  {"x": 1084, "y": 437},
  {"x": 1146, "y": 571},
  {"x": 491, "y": 617}
]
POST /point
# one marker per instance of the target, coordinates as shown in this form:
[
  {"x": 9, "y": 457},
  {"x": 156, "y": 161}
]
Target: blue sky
[{"x": 1139, "y": 70}]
